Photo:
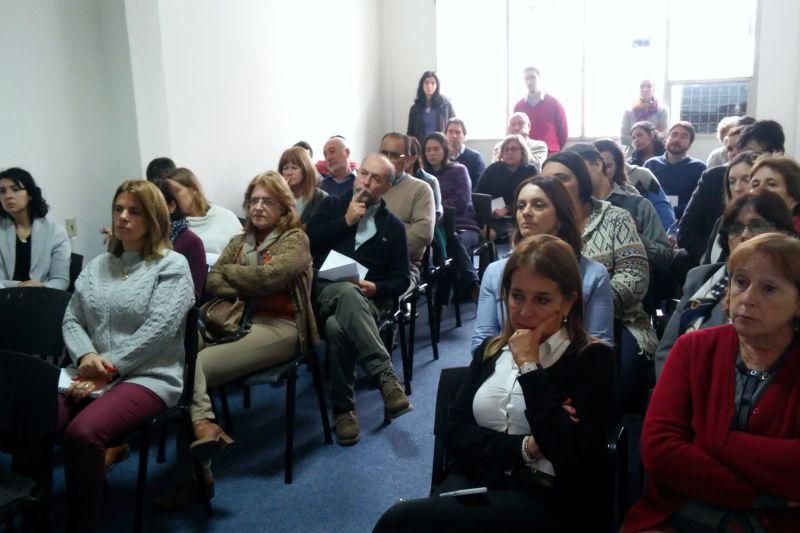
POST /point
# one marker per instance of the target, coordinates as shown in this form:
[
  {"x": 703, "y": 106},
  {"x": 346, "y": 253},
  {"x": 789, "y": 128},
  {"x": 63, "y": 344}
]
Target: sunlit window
[{"x": 592, "y": 56}]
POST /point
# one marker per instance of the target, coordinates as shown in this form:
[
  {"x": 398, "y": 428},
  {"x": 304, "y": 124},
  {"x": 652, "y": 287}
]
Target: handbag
[{"x": 222, "y": 320}]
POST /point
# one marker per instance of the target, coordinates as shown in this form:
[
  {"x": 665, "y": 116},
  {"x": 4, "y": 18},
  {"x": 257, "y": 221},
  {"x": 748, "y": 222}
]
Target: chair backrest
[
  {"x": 28, "y": 399},
  {"x": 483, "y": 208},
  {"x": 450, "y": 381},
  {"x": 190, "y": 340},
  {"x": 31, "y": 319},
  {"x": 75, "y": 267}
]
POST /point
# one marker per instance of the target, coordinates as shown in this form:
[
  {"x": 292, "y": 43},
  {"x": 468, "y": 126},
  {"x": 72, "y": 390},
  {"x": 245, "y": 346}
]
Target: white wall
[
  {"x": 67, "y": 114},
  {"x": 239, "y": 82},
  {"x": 778, "y": 67}
]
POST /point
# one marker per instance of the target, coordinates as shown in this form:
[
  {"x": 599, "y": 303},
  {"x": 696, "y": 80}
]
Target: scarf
[
  {"x": 702, "y": 307},
  {"x": 178, "y": 226},
  {"x": 644, "y": 110}
]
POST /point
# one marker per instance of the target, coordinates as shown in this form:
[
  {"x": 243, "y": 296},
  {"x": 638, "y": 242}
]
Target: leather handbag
[{"x": 223, "y": 320}]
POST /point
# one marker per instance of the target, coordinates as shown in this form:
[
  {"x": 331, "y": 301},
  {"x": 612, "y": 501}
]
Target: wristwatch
[{"x": 528, "y": 367}]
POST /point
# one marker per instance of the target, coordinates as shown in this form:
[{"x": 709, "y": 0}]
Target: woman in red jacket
[{"x": 721, "y": 439}]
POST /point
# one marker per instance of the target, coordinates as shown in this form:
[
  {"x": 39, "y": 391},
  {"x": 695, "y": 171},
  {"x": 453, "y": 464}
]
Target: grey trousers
[
  {"x": 349, "y": 319},
  {"x": 271, "y": 341}
]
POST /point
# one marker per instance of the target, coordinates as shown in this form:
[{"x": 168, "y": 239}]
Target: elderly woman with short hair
[{"x": 720, "y": 440}]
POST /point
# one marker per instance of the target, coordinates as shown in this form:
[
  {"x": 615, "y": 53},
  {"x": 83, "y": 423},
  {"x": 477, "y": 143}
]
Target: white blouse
[{"x": 499, "y": 403}]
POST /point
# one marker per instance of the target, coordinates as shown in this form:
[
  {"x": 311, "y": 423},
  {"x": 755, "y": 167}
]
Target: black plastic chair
[
  {"x": 32, "y": 319},
  {"x": 616, "y": 448},
  {"x": 284, "y": 372},
  {"x": 29, "y": 399},
  {"x": 485, "y": 250},
  {"x": 178, "y": 413},
  {"x": 448, "y": 277},
  {"x": 75, "y": 267}
]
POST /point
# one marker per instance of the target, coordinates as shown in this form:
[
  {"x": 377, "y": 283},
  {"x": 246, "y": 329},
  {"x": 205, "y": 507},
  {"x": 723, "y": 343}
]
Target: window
[{"x": 592, "y": 56}]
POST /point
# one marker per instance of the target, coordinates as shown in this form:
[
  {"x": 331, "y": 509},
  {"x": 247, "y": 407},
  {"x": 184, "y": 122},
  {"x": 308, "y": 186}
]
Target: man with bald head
[
  {"x": 520, "y": 124},
  {"x": 358, "y": 224},
  {"x": 340, "y": 176}
]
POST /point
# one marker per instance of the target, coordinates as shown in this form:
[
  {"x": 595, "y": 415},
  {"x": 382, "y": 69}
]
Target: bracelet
[{"x": 526, "y": 457}]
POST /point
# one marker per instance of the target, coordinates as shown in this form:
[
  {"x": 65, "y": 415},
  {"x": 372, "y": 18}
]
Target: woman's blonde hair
[
  {"x": 299, "y": 156},
  {"x": 186, "y": 177},
  {"x": 554, "y": 259},
  {"x": 523, "y": 147},
  {"x": 156, "y": 216},
  {"x": 276, "y": 185}
]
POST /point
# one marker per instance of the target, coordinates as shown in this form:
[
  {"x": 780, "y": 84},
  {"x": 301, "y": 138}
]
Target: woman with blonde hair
[
  {"x": 124, "y": 326},
  {"x": 530, "y": 419},
  {"x": 268, "y": 266},
  {"x": 297, "y": 169},
  {"x": 214, "y": 224}
]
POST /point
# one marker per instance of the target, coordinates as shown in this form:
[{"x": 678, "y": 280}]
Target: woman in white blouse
[
  {"x": 530, "y": 420},
  {"x": 214, "y": 224}
]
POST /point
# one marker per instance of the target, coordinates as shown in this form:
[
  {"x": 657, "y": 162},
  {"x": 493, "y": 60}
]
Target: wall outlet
[{"x": 71, "y": 225}]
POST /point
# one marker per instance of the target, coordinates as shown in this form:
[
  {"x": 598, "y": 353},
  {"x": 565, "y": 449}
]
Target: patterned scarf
[
  {"x": 644, "y": 110},
  {"x": 177, "y": 227},
  {"x": 702, "y": 307}
]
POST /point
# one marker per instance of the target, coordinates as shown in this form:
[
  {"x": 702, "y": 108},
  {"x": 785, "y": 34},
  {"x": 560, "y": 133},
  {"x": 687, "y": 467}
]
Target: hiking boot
[
  {"x": 394, "y": 397},
  {"x": 347, "y": 429}
]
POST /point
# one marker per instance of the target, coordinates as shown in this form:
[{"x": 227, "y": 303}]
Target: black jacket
[
  {"x": 443, "y": 113},
  {"x": 588, "y": 377},
  {"x": 385, "y": 254},
  {"x": 473, "y": 160},
  {"x": 701, "y": 213}
]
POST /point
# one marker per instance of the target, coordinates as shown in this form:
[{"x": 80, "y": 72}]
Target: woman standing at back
[{"x": 431, "y": 110}]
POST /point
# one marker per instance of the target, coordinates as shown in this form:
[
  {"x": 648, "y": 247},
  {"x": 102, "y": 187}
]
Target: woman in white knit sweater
[
  {"x": 214, "y": 224},
  {"x": 124, "y": 327}
]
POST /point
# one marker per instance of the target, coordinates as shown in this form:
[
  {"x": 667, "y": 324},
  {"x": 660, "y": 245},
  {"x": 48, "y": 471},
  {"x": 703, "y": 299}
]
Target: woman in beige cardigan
[{"x": 270, "y": 267}]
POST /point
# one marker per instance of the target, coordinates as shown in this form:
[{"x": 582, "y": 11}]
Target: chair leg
[
  {"x": 246, "y": 396},
  {"x": 226, "y": 411},
  {"x": 291, "y": 380},
  {"x": 202, "y": 489},
  {"x": 141, "y": 482},
  {"x": 404, "y": 354},
  {"x": 412, "y": 326},
  {"x": 162, "y": 445},
  {"x": 432, "y": 320},
  {"x": 319, "y": 385}
]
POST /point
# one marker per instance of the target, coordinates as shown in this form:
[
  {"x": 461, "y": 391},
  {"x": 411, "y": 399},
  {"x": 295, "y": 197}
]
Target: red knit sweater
[
  {"x": 690, "y": 451},
  {"x": 548, "y": 122}
]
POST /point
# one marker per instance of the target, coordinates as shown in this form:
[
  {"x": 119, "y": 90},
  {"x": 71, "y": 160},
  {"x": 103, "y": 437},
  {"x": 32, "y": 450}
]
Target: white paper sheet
[
  {"x": 339, "y": 267},
  {"x": 498, "y": 203},
  {"x": 673, "y": 199},
  {"x": 65, "y": 381}
]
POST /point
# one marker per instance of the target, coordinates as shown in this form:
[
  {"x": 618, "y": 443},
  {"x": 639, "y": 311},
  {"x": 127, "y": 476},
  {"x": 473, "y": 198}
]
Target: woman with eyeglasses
[
  {"x": 703, "y": 302},
  {"x": 270, "y": 267},
  {"x": 501, "y": 178},
  {"x": 34, "y": 251}
]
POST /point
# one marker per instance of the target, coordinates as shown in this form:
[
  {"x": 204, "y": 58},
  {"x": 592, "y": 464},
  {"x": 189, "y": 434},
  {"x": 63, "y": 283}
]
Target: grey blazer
[
  {"x": 49, "y": 256},
  {"x": 695, "y": 279}
]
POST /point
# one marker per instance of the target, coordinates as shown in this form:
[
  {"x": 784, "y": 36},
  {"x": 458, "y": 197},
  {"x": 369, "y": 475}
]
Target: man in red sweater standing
[{"x": 548, "y": 120}]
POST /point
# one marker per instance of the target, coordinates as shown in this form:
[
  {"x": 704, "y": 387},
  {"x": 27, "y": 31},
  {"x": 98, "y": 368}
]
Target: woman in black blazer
[{"x": 529, "y": 423}]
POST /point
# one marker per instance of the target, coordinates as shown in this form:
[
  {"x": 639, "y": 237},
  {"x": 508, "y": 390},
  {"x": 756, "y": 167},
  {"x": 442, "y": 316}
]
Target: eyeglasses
[
  {"x": 756, "y": 227},
  {"x": 14, "y": 189},
  {"x": 511, "y": 148},
  {"x": 394, "y": 156},
  {"x": 254, "y": 201}
]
